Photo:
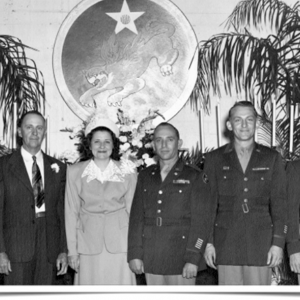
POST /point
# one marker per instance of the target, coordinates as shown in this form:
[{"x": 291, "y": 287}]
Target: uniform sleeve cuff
[
  {"x": 192, "y": 257},
  {"x": 278, "y": 241},
  {"x": 135, "y": 254},
  {"x": 293, "y": 247}
]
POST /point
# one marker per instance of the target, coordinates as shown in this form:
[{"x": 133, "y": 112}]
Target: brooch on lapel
[
  {"x": 181, "y": 181},
  {"x": 225, "y": 168},
  {"x": 55, "y": 167}
]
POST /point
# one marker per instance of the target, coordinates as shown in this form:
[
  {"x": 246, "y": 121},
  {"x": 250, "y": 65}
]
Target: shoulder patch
[{"x": 205, "y": 178}]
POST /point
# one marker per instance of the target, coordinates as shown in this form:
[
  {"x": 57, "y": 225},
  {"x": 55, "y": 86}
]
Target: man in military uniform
[
  {"x": 293, "y": 196},
  {"x": 247, "y": 181},
  {"x": 169, "y": 218}
]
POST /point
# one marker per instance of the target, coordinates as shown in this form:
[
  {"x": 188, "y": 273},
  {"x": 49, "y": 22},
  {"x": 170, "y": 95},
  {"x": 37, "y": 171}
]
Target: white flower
[
  {"x": 134, "y": 142},
  {"x": 148, "y": 145},
  {"x": 150, "y": 161},
  {"x": 70, "y": 156},
  {"x": 140, "y": 144},
  {"x": 55, "y": 167},
  {"x": 123, "y": 139},
  {"x": 145, "y": 156},
  {"x": 125, "y": 128},
  {"x": 124, "y": 147}
]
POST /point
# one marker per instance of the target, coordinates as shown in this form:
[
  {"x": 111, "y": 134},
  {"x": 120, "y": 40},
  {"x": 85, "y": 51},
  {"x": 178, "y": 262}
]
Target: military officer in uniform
[
  {"x": 293, "y": 196},
  {"x": 247, "y": 181},
  {"x": 168, "y": 227}
]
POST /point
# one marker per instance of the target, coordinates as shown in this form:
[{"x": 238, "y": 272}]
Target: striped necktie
[{"x": 37, "y": 184}]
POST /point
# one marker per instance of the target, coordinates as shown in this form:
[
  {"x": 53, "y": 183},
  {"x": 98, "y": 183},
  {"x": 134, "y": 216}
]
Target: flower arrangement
[{"x": 135, "y": 140}]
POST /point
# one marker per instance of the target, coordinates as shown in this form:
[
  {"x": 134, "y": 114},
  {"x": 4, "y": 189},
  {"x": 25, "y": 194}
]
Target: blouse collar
[{"x": 113, "y": 171}]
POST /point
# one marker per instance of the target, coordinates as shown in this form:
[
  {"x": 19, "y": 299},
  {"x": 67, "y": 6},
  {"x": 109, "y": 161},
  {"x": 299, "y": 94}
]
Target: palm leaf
[{"x": 20, "y": 81}]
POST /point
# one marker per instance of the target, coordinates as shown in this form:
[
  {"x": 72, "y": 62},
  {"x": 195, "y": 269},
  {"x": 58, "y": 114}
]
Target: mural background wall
[{"x": 37, "y": 22}]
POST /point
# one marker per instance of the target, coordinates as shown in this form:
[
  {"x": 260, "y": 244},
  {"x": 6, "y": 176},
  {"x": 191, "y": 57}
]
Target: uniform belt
[
  {"x": 40, "y": 214},
  {"x": 166, "y": 222}
]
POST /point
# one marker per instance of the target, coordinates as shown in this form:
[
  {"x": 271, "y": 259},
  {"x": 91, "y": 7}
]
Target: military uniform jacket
[
  {"x": 293, "y": 196},
  {"x": 249, "y": 209},
  {"x": 169, "y": 220}
]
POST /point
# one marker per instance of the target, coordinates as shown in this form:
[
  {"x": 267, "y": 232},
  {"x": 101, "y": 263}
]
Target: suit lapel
[
  {"x": 18, "y": 168},
  {"x": 49, "y": 179}
]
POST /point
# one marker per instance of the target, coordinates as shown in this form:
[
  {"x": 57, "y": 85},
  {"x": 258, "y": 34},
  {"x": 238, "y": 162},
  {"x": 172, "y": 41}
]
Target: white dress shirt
[{"x": 27, "y": 157}]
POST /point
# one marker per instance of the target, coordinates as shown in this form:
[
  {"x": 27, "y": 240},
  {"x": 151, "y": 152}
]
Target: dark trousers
[{"x": 38, "y": 271}]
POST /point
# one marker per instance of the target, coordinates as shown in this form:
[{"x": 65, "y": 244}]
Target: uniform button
[
  {"x": 160, "y": 192},
  {"x": 225, "y": 177},
  {"x": 246, "y": 190},
  {"x": 159, "y": 211},
  {"x": 145, "y": 190},
  {"x": 175, "y": 174},
  {"x": 153, "y": 173},
  {"x": 159, "y": 201},
  {"x": 246, "y": 179},
  {"x": 245, "y": 200},
  {"x": 183, "y": 237},
  {"x": 262, "y": 178},
  {"x": 180, "y": 191}
]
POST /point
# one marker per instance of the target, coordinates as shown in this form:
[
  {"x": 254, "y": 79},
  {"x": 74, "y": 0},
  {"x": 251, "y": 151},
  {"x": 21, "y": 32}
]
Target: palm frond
[{"x": 20, "y": 80}]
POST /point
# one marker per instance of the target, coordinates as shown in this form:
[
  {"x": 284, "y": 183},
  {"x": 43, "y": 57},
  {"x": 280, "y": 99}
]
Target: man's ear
[
  {"x": 229, "y": 127},
  {"x": 257, "y": 122},
  {"x": 180, "y": 142},
  {"x": 19, "y": 132},
  {"x": 153, "y": 146}
]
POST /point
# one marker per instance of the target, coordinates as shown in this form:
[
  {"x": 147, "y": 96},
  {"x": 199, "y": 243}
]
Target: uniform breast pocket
[
  {"x": 262, "y": 182},
  {"x": 227, "y": 182},
  {"x": 179, "y": 191}
]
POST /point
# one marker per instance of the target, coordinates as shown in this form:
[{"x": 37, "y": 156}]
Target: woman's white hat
[{"x": 100, "y": 120}]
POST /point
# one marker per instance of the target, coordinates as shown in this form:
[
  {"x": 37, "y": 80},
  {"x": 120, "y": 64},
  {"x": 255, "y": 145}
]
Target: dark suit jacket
[
  {"x": 249, "y": 209},
  {"x": 17, "y": 209},
  {"x": 293, "y": 196},
  {"x": 182, "y": 203}
]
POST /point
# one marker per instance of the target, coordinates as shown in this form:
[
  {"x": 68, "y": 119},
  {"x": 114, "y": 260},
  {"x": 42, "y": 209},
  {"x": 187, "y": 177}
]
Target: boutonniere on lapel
[
  {"x": 55, "y": 167},
  {"x": 181, "y": 181}
]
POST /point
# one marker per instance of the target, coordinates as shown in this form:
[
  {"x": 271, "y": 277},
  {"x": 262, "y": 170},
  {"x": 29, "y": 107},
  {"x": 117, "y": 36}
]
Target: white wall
[{"x": 36, "y": 23}]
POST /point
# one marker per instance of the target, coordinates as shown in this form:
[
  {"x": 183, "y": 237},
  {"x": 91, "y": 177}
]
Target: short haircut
[
  {"x": 167, "y": 124},
  {"x": 242, "y": 104},
  {"x": 33, "y": 112}
]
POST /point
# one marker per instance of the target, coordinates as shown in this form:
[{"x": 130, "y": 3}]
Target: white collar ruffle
[{"x": 113, "y": 172}]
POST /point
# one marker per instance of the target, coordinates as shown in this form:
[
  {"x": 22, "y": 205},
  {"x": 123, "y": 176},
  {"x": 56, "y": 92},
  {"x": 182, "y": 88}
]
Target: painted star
[{"x": 125, "y": 18}]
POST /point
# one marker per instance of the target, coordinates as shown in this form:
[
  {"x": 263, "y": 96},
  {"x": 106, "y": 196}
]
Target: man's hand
[
  {"x": 295, "y": 262},
  {"x": 210, "y": 255},
  {"x": 62, "y": 264},
  {"x": 275, "y": 256},
  {"x": 73, "y": 261},
  {"x": 189, "y": 271},
  {"x": 5, "y": 266},
  {"x": 136, "y": 266}
]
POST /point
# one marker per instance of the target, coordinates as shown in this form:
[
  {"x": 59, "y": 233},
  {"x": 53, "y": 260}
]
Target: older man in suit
[
  {"x": 249, "y": 204},
  {"x": 32, "y": 231}
]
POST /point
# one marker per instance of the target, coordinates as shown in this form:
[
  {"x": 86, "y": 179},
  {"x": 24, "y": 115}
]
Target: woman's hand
[{"x": 73, "y": 261}]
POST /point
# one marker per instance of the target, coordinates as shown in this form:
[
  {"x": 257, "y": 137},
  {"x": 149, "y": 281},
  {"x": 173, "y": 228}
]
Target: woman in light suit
[{"x": 99, "y": 194}]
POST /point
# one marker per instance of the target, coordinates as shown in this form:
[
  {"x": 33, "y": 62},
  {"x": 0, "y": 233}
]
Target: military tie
[{"x": 37, "y": 184}]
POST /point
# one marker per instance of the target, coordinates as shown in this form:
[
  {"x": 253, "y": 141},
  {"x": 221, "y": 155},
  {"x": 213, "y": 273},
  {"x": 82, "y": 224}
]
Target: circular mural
[{"x": 132, "y": 55}]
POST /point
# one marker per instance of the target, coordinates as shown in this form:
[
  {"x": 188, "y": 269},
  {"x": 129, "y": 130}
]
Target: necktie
[{"x": 37, "y": 184}]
